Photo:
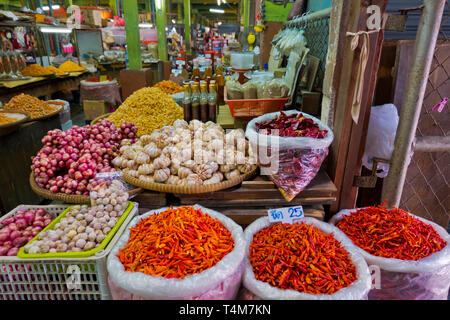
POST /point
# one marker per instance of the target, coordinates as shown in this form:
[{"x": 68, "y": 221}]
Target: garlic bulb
[
  {"x": 142, "y": 158},
  {"x": 227, "y": 168},
  {"x": 162, "y": 175},
  {"x": 184, "y": 172},
  {"x": 204, "y": 171},
  {"x": 232, "y": 174},
  {"x": 145, "y": 139},
  {"x": 173, "y": 180},
  {"x": 179, "y": 123},
  {"x": 147, "y": 179},
  {"x": 161, "y": 162},
  {"x": 193, "y": 179},
  {"x": 146, "y": 169},
  {"x": 152, "y": 150}
]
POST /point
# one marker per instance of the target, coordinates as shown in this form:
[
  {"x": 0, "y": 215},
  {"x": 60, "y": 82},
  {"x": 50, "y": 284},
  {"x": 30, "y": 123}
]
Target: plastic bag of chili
[
  {"x": 219, "y": 282},
  {"x": 291, "y": 162},
  {"x": 427, "y": 278},
  {"x": 310, "y": 269}
]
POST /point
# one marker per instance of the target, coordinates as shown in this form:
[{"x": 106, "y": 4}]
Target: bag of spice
[
  {"x": 307, "y": 260},
  {"x": 178, "y": 253},
  {"x": 234, "y": 90},
  {"x": 411, "y": 253},
  {"x": 290, "y": 147}
]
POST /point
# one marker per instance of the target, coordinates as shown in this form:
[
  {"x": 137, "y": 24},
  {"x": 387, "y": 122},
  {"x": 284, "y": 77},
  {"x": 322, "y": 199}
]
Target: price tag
[
  {"x": 286, "y": 215},
  {"x": 103, "y": 78}
]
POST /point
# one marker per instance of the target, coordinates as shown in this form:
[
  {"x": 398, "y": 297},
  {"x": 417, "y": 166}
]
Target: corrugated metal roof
[{"x": 413, "y": 19}]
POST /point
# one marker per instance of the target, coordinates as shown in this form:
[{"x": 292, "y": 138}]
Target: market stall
[{"x": 223, "y": 177}]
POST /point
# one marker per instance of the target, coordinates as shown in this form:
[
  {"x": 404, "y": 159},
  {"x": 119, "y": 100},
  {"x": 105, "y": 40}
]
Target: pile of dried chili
[
  {"x": 301, "y": 257},
  {"x": 391, "y": 233},
  {"x": 294, "y": 125},
  {"x": 176, "y": 243}
]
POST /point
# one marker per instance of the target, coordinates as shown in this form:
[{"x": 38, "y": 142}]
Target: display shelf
[
  {"x": 260, "y": 191},
  {"x": 250, "y": 200}
]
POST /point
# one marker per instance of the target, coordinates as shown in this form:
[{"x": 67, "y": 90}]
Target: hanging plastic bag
[
  {"x": 380, "y": 137},
  {"x": 220, "y": 282},
  {"x": 424, "y": 279},
  {"x": 290, "y": 162},
  {"x": 255, "y": 289},
  {"x": 108, "y": 190}
]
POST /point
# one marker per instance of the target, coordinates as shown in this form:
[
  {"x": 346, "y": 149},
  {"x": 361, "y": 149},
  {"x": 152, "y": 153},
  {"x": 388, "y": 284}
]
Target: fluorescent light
[
  {"x": 55, "y": 30},
  {"x": 158, "y": 4},
  {"x": 173, "y": 21},
  {"x": 217, "y": 10},
  {"x": 218, "y": 2},
  {"x": 54, "y": 7},
  {"x": 145, "y": 25}
]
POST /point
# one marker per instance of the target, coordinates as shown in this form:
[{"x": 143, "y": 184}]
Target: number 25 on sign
[{"x": 286, "y": 215}]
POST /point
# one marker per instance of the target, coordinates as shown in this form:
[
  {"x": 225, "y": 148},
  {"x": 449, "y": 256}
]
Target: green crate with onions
[{"x": 64, "y": 278}]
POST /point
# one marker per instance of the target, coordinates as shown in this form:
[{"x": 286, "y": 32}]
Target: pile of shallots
[
  {"x": 69, "y": 160},
  {"x": 84, "y": 228},
  {"x": 17, "y": 230}
]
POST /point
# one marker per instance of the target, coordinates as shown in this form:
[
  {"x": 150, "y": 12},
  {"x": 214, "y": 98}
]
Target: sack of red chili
[
  {"x": 290, "y": 148},
  {"x": 187, "y": 252},
  {"x": 310, "y": 260},
  {"x": 412, "y": 254}
]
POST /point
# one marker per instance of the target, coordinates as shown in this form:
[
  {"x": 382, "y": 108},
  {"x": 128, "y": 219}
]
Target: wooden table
[
  {"x": 250, "y": 200},
  {"x": 43, "y": 86}
]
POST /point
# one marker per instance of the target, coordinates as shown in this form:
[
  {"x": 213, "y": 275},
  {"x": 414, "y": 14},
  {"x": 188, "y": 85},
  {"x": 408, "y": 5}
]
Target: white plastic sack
[
  {"x": 380, "y": 137},
  {"x": 219, "y": 282},
  {"x": 427, "y": 278},
  {"x": 290, "y": 162},
  {"x": 355, "y": 291}
]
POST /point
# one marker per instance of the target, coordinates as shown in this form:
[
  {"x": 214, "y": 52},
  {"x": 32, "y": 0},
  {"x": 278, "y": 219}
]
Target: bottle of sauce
[
  {"x": 196, "y": 71},
  {"x": 212, "y": 103},
  {"x": 208, "y": 69},
  {"x": 220, "y": 81},
  {"x": 204, "y": 102},
  {"x": 187, "y": 103},
  {"x": 195, "y": 102}
]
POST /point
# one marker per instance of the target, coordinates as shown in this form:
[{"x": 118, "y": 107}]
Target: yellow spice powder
[{"x": 35, "y": 70}]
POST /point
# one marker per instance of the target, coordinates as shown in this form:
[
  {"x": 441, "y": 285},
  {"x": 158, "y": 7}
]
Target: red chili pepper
[
  {"x": 298, "y": 257},
  {"x": 391, "y": 233}
]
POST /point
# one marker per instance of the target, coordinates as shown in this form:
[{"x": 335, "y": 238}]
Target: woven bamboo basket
[
  {"x": 167, "y": 188},
  {"x": 103, "y": 116},
  {"x": 68, "y": 198}
]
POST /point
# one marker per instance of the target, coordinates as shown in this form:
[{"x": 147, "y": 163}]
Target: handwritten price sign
[{"x": 286, "y": 215}]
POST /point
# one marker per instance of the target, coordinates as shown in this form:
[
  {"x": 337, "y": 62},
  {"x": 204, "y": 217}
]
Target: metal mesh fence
[
  {"x": 427, "y": 186},
  {"x": 317, "y": 35}
]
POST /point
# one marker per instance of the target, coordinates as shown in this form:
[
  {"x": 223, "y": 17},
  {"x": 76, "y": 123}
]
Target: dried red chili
[
  {"x": 176, "y": 243},
  {"x": 301, "y": 257},
  {"x": 294, "y": 125},
  {"x": 391, "y": 233}
]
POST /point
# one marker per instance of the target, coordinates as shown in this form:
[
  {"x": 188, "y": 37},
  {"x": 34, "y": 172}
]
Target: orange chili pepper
[{"x": 176, "y": 243}]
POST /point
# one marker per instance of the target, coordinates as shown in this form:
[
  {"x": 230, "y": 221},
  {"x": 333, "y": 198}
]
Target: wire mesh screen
[
  {"x": 317, "y": 35},
  {"x": 427, "y": 187}
]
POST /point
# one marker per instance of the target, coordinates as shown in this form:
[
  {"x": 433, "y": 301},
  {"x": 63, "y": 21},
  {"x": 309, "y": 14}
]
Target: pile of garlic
[
  {"x": 187, "y": 154},
  {"x": 84, "y": 228}
]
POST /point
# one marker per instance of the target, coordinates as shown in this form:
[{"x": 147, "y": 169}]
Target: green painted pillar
[
  {"x": 130, "y": 12},
  {"x": 112, "y": 5},
  {"x": 187, "y": 25},
  {"x": 179, "y": 14},
  {"x": 161, "y": 28},
  {"x": 246, "y": 13}
]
